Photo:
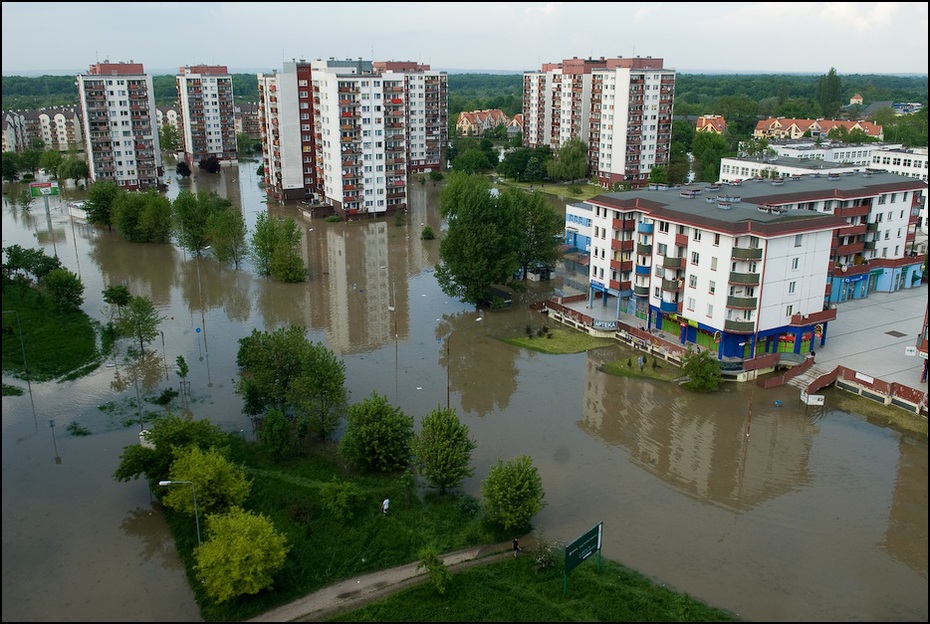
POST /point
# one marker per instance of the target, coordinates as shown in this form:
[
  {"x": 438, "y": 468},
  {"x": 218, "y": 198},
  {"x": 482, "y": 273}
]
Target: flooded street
[{"x": 745, "y": 499}]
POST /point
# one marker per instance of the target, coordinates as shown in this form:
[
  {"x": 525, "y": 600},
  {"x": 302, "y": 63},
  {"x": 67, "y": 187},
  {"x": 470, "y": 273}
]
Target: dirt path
[{"x": 356, "y": 592}]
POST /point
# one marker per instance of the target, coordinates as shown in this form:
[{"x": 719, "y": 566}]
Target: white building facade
[
  {"x": 752, "y": 269},
  {"x": 207, "y": 124},
  {"x": 121, "y": 134},
  {"x": 620, "y": 108},
  {"x": 347, "y": 133}
]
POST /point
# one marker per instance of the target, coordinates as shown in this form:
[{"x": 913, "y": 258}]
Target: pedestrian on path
[
  {"x": 385, "y": 505},
  {"x": 516, "y": 547}
]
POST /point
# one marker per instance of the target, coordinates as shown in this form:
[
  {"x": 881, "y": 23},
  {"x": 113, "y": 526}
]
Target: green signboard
[
  {"x": 43, "y": 189},
  {"x": 583, "y": 547}
]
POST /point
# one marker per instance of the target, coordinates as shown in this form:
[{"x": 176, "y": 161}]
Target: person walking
[
  {"x": 385, "y": 505},
  {"x": 516, "y": 547}
]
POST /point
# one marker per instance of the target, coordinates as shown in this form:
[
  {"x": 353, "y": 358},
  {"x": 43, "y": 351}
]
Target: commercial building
[
  {"x": 208, "y": 115},
  {"x": 348, "y": 133},
  {"x": 753, "y": 268},
  {"x": 121, "y": 132},
  {"x": 621, "y": 108}
]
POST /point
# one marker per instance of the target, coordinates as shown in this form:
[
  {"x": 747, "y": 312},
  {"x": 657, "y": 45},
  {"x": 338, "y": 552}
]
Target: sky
[{"x": 60, "y": 38}]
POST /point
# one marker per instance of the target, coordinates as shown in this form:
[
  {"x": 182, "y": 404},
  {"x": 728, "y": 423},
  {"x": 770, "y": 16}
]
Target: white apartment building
[
  {"x": 911, "y": 162},
  {"x": 207, "y": 114},
  {"x": 621, "y": 108},
  {"x": 741, "y": 168},
  {"x": 121, "y": 134},
  {"x": 347, "y": 133},
  {"x": 55, "y": 128},
  {"x": 753, "y": 268},
  {"x": 830, "y": 151}
]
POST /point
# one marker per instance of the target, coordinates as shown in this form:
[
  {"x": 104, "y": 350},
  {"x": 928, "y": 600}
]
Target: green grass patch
[
  {"x": 513, "y": 590},
  {"x": 558, "y": 340},
  {"x": 9, "y": 390},
  {"x": 653, "y": 368},
  {"x": 56, "y": 343}
]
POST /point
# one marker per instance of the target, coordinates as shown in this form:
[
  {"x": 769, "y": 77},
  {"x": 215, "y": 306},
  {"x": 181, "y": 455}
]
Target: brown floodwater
[{"x": 745, "y": 499}]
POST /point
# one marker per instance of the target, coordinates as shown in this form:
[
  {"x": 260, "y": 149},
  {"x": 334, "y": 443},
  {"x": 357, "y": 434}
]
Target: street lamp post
[
  {"x": 194, "y": 492},
  {"x": 22, "y": 345}
]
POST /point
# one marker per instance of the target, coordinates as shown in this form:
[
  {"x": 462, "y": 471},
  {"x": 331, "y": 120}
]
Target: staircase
[{"x": 803, "y": 380}]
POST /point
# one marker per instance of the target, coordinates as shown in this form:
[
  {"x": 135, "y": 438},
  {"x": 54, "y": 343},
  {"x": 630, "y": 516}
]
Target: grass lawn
[
  {"x": 560, "y": 340},
  {"x": 585, "y": 189}
]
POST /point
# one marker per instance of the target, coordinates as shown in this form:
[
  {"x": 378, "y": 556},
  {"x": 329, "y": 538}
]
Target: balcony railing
[
  {"x": 747, "y": 253},
  {"x": 739, "y": 327},
  {"x": 742, "y": 302},
  {"x": 749, "y": 279}
]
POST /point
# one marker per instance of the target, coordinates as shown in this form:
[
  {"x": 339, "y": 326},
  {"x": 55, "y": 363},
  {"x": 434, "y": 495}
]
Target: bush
[{"x": 427, "y": 233}]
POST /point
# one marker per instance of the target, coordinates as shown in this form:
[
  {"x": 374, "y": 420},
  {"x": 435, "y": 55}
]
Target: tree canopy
[{"x": 443, "y": 448}]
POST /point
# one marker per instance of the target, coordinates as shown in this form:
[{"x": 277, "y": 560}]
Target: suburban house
[
  {"x": 474, "y": 123},
  {"x": 714, "y": 124},
  {"x": 784, "y": 128}
]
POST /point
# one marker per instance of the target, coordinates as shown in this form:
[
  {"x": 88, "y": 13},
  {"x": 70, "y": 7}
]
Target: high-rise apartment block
[
  {"x": 208, "y": 114},
  {"x": 621, "y": 108},
  {"x": 347, "y": 133},
  {"x": 121, "y": 134}
]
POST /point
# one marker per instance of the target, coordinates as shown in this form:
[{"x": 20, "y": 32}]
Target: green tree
[
  {"x": 64, "y": 289},
  {"x": 708, "y": 150},
  {"x": 472, "y": 161},
  {"x": 340, "y": 498},
  {"x": 436, "y": 568},
  {"x": 29, "y": 160},
  {"x": 436, "y": 176},
  {"x": 153, "y": 460},
  {"x": 658, "y": 175},
  {"x": 191, "y": 213},
  {"x": 513, "y": 493},
  {"x": 270, "y": 362},
  {"x": 480, "y": 246},
  {"x": 73, "y": 168},
  {"x": 50, "y": 160},
  {"x": 703, "y": 369},
  {"x": 99, "y": 206},
  {"x": 274, "y": 247},
  {"x": 377, "y": 436},
  {"x": 169, "y": 139},
  {"x": 539, "y": 227},
  {"x": 143, "y": 217},
  {"x": 220, "y": 484},
  {"x": 276, "y": 435},
  {"x": 318, "y": 394},
  {"x": 141, "y": 321},
  {"x": 10, "y": 166},
  {"x": 443, "y": 448},
  {"x": 830, "y": 93},
  {"x": 241, "y": 556},
  {"x": 571, "y": 163},
  {"x": 226, "y": 231},
  {"x": 117, "y": 295}
]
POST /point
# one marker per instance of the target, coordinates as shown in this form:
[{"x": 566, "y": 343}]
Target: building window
[
  {"x": 716, "y": 240},
  {"x": 789, "y": 311},
  {"x": 696, "y": 235},
  {"x": 692, "y": 281},
  {"x": 797, "y": 239},
  {"x": 695, "y": 257},
  {"x": 691, "y": 304},
  {"x": 713, "y": 263},
  {"x": 791, "y": 286},
  {"x": 710, "y": 309},
  {"x": 794, "y": 264},
  {"x": 712, "y": 288}
]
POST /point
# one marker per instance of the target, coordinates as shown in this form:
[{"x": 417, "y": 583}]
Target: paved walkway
[{"x": 356, "y": 592}]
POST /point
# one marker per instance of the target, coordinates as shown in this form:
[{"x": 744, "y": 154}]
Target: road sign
[
  {"x": 43, "y": 189},
  {"x": 583, "y": 547}
]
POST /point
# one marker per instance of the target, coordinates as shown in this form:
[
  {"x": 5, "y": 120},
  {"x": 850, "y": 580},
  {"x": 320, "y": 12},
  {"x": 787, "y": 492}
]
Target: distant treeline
[{"x": 695, "y": 94}]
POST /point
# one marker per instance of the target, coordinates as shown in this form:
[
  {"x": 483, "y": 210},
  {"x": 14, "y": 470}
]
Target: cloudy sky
[{"x": 691, "y": 37}]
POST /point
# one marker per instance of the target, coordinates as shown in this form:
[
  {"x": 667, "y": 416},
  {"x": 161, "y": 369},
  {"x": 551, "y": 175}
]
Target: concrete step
[{"x": 803, "y": 380}]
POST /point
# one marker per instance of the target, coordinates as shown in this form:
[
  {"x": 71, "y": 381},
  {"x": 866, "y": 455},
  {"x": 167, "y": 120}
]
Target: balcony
[
  {"x": 645, "y": 228},
  {"x": 625, "y": 225},
  {"x": 670, "y": 307},
  {"x": 747, "y": 279},
  {"x": 747, "y": 253},
  {"x": 671, "y": 285},
  {"x": 852, "y": 230},
  {"x": 640, "y": 291},
  {"x": 669, "y": 262},
  {"x": 745, "y": 303},
  {"x": 643, "y": 249},
  {"x": 861, "y": 210},
  {"x": 739, "y": 327},
  {"x": 849, "y": 249},
  {"x": 644, "y": 270},
  {"x": 681, "y": 240}
]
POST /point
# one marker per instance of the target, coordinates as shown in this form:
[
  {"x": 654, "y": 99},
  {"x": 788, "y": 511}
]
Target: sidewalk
[{"x": 356, "y": 592}]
